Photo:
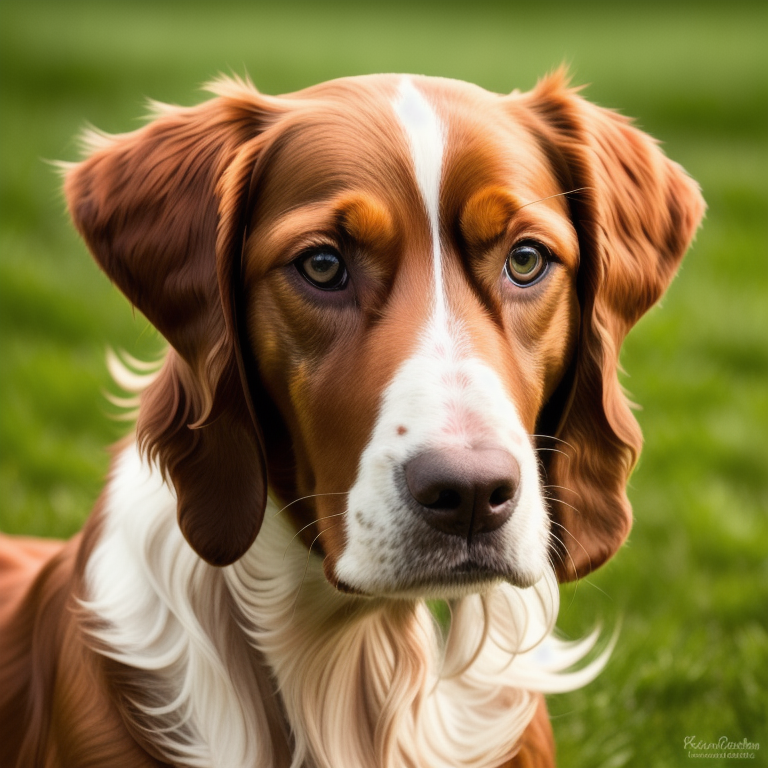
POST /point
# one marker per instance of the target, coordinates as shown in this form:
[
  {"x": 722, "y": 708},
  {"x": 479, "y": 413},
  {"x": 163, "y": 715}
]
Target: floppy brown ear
[
  {"x": 162, "y": 211},
  {"x": 635, "y": 215}
]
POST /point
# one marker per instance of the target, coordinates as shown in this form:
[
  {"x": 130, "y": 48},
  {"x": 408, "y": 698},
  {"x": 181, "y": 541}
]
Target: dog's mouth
[
  {"x": 473, "y": 568},
  {"x": 454, "y": 577},
  {"x": 470, "y": 575}
]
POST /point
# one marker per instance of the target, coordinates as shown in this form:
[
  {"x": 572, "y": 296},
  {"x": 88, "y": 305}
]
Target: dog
[{"x": 394, "y": 308}]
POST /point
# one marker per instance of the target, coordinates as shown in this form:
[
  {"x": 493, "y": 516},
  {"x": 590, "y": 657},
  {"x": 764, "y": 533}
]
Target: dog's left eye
[
  {"x": 526, "y": 263},
  {"x": 324, "y": 268}
]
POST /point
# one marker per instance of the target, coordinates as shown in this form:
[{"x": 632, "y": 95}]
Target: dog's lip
[
  {"x": 471, "y": 566},
  {"x": 469, "y": 574},
  {"x": 471, "y": 571},
  {"x": 461, "y": 565},
  {"x": 336, "y": 583}
]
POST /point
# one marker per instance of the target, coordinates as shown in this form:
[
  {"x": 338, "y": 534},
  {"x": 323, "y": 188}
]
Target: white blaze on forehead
[{"x": 426, "y": 138}]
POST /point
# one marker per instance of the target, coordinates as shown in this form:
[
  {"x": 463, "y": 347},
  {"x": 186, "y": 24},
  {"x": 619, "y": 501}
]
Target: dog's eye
[
  {"x": 324, "y": 268},
  {"x": 526, "y": 263}
]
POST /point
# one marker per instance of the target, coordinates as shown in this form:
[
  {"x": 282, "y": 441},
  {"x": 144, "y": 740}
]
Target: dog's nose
[{"x": 464, "y": 491}]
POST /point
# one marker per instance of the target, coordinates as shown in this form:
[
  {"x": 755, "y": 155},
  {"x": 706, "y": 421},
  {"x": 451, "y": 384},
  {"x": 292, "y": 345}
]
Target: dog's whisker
[
  {"x": 309, "y": 525},
  {"x": 310, "y": 496},
  {"x": 562, "y": 560},
  {"x": 554, "y": 551},
  {"x": 559, "y": 194},
  {"x": 560, "y": 501},
  {"x": 555, "y": 439},
  {"x": 306, "y": 568},
  {"x": 586, "y": 552},
  {"x": 562, "y": 488},
  {"x": 599, "y": 589},
  {"x": 554, "y": 450}
]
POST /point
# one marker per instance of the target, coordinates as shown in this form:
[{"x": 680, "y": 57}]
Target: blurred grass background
[{"x": 691, "y": 587}]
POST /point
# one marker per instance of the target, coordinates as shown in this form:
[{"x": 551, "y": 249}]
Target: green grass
[{"x": 691, "y": 587}]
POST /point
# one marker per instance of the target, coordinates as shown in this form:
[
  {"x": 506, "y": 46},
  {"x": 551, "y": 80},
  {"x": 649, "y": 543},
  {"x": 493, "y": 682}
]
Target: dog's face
[
  {"x": 398, "y": 302},
  {"x": 412, "y": 304}
]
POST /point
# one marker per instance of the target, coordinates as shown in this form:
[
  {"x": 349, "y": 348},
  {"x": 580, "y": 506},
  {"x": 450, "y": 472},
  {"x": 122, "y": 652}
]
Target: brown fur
[
  {"x": 635, "y": 217},
  {"x": 55, "y": 711}
]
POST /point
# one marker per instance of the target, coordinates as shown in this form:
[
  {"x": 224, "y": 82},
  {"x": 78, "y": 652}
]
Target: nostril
[
  {"x": 501, "y": 495},
  {"x": 447, "y": 499}
]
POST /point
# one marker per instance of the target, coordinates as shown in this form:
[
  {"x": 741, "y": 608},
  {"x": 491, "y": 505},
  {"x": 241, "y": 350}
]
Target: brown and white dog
[{"x": 394, "y": 307}]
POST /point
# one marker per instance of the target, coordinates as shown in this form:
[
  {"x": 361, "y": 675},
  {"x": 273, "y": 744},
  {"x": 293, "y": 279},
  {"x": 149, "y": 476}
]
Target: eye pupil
[
  {"x": 526, "y": 263},
  {"x": 323, "y": 268},
  {"x": 525, "y": 260},
  {"x": 323, "y": 263}
]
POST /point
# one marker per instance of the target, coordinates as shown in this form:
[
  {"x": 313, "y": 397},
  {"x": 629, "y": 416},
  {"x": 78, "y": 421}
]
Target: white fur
[
  {"x": 426, "y": 139},
  {"x": 157, "y": 599},
  {"x": 364, "y": 682}
]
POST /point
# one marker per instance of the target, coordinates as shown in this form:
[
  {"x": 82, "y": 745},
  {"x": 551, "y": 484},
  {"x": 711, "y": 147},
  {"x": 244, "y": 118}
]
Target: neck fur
[{"x": 361, "y": 682}]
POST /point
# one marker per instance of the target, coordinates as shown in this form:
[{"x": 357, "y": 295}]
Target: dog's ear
[
  {"x": 635, "y": 213},
  {"x": 163, "y": 211}
]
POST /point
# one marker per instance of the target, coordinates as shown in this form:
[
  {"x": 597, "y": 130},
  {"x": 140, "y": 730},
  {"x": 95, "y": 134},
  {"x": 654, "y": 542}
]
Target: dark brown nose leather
[{"x": 463, "y": 491}]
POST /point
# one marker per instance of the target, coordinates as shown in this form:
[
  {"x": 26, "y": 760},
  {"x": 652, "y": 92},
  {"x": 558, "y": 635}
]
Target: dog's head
[{"x": 396, "y": 303}]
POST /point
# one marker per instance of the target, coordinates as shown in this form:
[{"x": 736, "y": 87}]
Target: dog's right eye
[
  {"x": 323, "y": 268},
  {"x": 526, "y": 263}
]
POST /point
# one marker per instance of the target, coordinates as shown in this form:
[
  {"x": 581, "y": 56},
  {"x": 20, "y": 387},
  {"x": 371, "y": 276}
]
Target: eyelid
[
  {"x": 310, "y": 243},
  {"x": 557, "y": 235},
  {"x": 549, "y": 250}
]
